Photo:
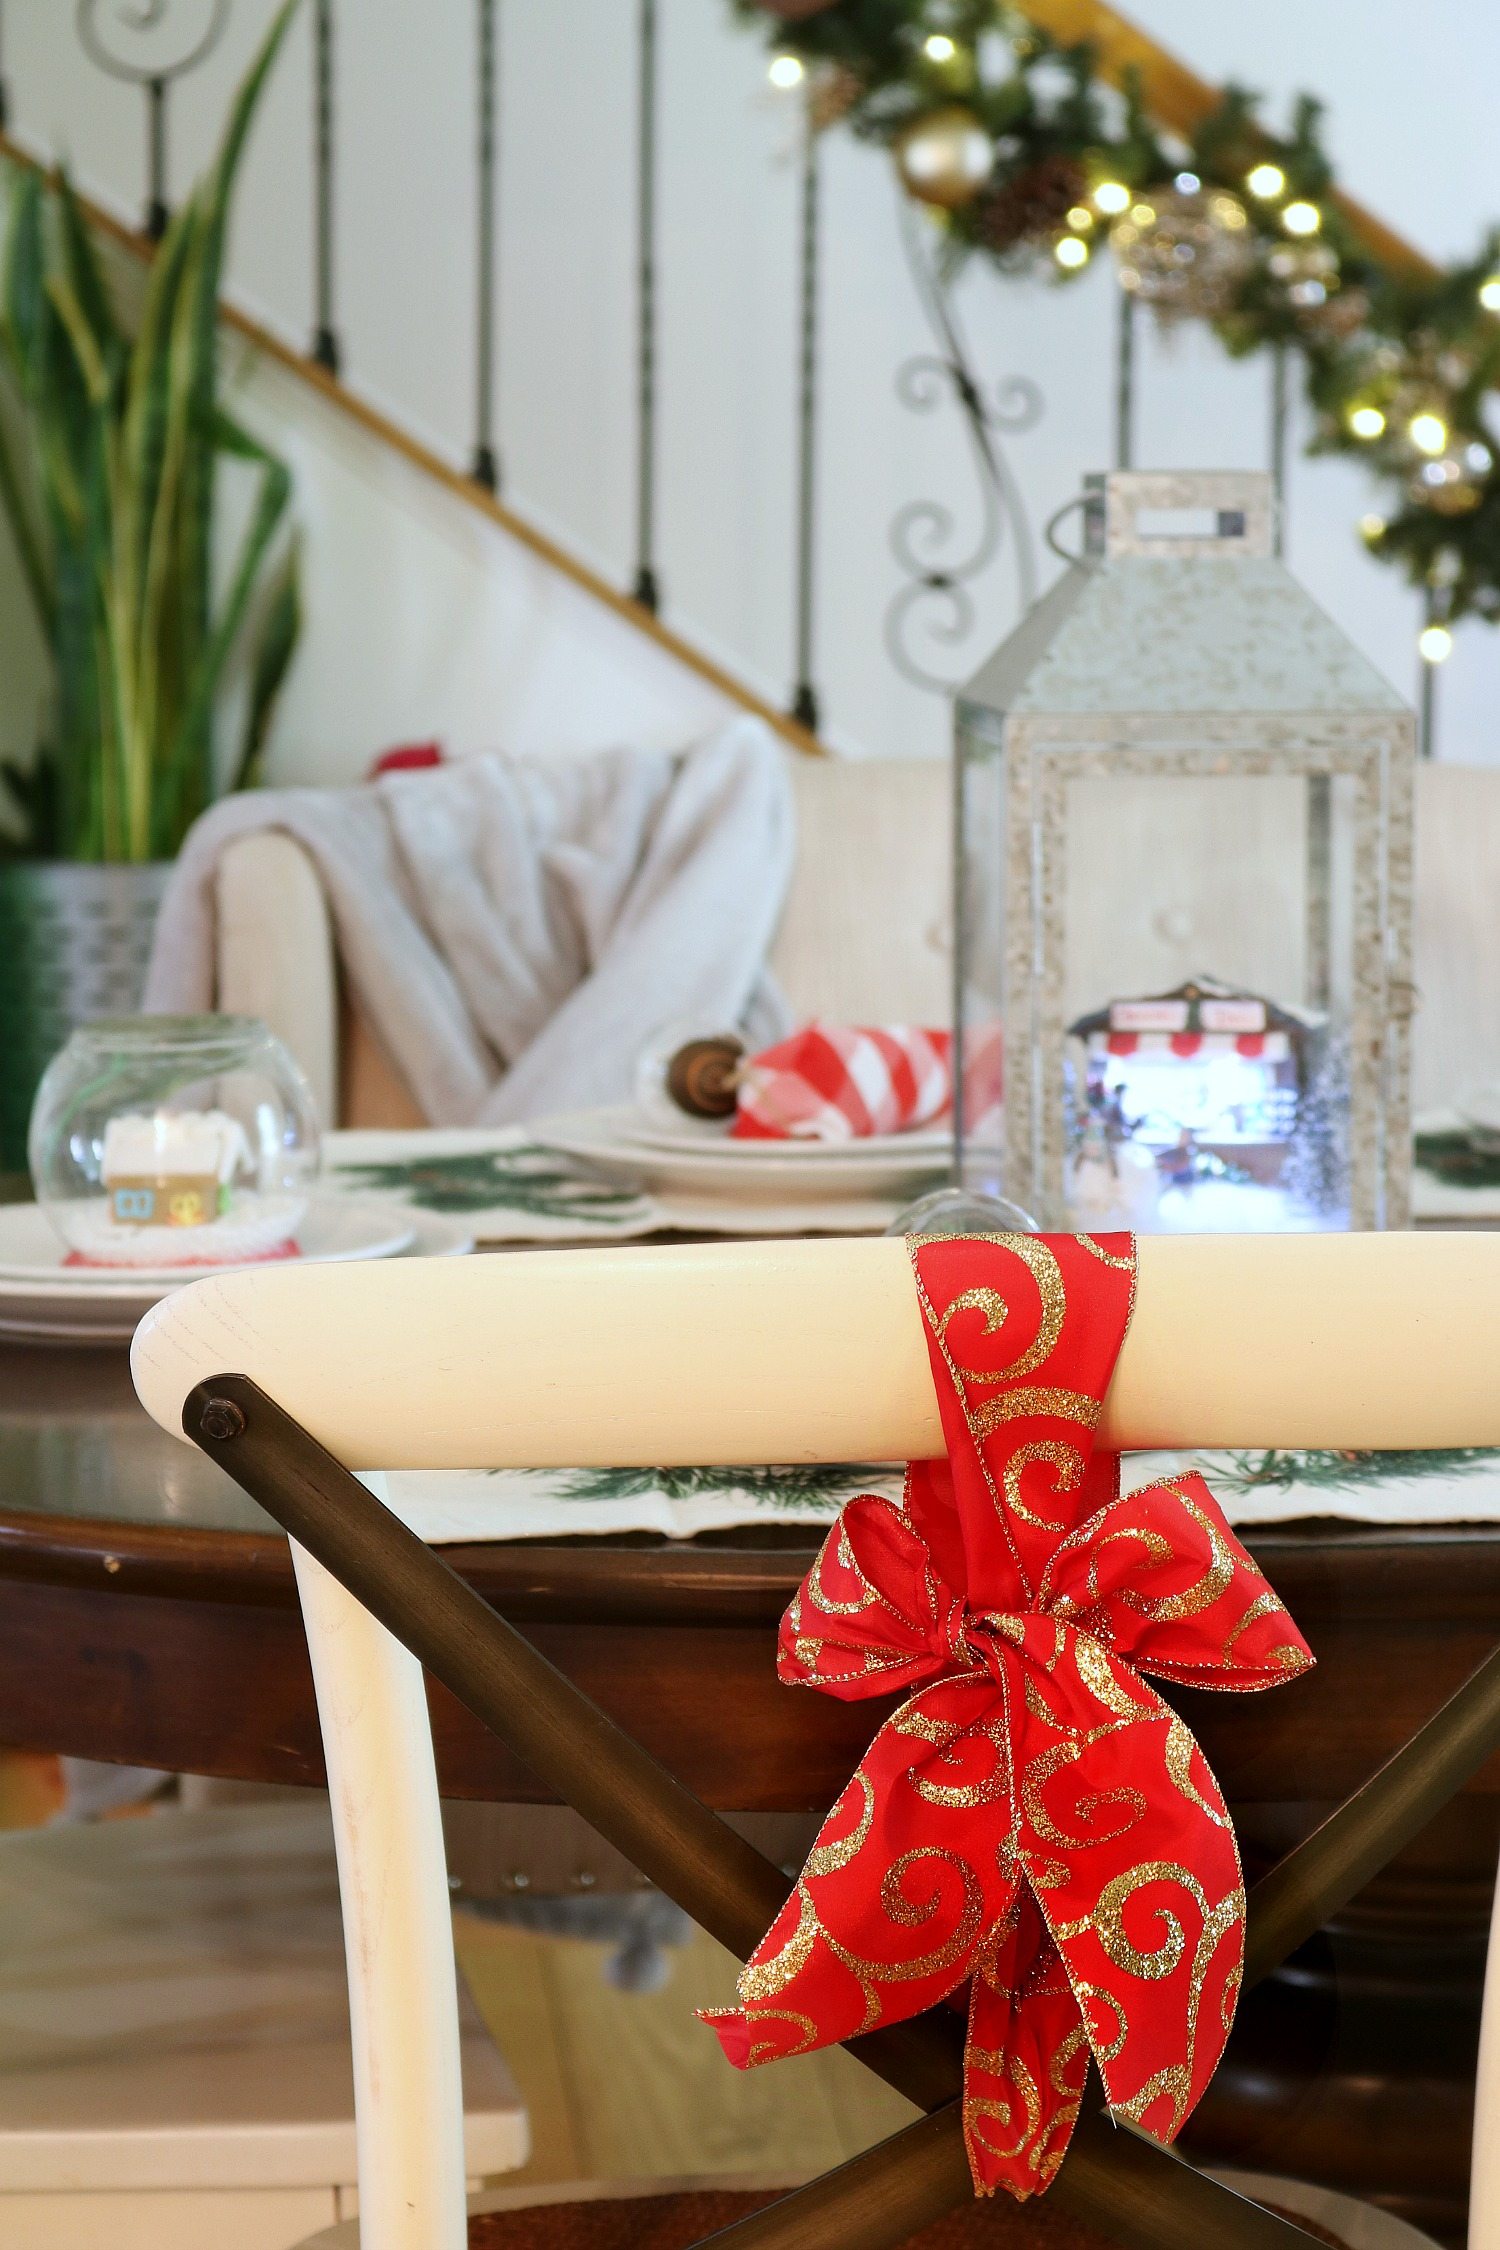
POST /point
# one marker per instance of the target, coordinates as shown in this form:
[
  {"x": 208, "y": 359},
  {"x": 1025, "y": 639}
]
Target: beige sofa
[{"x": 866, "y": 931}]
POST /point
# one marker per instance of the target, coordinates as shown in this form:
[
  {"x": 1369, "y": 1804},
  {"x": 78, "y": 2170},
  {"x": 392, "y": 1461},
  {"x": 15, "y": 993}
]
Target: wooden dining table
[{"x": 148, "y": 1616}]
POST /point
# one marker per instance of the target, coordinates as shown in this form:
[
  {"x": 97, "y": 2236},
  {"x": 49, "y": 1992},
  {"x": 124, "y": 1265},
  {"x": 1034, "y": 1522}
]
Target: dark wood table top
[{"x": 148, "y": 1614}]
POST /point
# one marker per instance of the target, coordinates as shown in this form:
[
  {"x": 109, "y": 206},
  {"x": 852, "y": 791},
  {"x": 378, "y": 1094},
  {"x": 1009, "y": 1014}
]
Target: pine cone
[{"x": 1032, "y": 204}]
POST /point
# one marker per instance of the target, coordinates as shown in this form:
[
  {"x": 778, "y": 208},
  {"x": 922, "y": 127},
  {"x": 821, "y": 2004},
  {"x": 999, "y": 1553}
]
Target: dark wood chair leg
[{"x": 1112, "y": 2178}]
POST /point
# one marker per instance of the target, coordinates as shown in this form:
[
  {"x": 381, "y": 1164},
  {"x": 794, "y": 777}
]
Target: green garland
[{"x": 1398, "y": 366}]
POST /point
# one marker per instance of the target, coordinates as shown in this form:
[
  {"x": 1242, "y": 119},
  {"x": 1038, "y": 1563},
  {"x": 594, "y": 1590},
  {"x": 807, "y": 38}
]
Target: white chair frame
[{"x": 738, "y": 1352}]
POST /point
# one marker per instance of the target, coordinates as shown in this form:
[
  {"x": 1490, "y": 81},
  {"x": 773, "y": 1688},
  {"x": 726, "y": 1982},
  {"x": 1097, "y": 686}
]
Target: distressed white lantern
[{"x": 1184, "y": 838}]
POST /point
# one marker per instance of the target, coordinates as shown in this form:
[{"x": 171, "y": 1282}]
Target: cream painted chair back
[{"x": 736, "y": 1352}]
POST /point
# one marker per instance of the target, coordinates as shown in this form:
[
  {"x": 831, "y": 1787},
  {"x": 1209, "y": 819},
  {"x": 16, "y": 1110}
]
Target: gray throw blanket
[{"x": 517, "y": 929}]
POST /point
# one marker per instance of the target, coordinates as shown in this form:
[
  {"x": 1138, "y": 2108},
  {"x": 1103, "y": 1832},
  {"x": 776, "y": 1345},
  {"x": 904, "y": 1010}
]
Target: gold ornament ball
[
  {"x": 945, "y": 157},
  {"x": 1183, "y": 251}
]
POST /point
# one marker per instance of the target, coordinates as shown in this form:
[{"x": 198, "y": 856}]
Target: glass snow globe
[{"x": 174, "y": 1141}]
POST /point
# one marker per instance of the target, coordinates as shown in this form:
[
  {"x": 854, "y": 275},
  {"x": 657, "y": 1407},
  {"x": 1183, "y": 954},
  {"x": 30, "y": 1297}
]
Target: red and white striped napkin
[{"x": 843, "y": 1082}]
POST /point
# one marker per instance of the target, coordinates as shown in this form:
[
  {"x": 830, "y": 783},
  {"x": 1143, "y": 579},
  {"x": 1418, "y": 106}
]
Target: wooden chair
[{"x": 748, "y": 1352}]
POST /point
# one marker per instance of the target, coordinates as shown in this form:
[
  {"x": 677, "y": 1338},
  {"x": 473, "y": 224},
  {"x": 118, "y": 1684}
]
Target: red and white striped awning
[{"x": 1255, "y": 1046}]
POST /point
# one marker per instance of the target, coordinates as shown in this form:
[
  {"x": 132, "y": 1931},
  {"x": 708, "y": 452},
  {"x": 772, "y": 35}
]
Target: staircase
[{"x": 691, "y": 395}]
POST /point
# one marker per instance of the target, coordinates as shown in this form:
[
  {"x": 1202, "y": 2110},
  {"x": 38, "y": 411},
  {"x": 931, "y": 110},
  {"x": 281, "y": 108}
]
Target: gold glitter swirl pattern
[
  {"x": 1175, "y": 2083},
  {"x": 1171, "y": 1608},
  {"x": 763, "y": 1979},
  {"x": 1042, "y": 1769},
  {"x": 1099, "y": 1677},
  {"x": 1108, "y": 1919},
  {"x": 1107, "y": 1257},
  {"x": 1047, "y": 1452},
  {"x": 829, "y": 1859},
  {"x": 1178, "y": 1759},
  {"x": 991, "y": 1414}
]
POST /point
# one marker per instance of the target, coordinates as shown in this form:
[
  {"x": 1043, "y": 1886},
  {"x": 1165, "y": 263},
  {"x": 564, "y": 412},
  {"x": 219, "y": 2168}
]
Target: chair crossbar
[{"x": 1120, "y": 2181}]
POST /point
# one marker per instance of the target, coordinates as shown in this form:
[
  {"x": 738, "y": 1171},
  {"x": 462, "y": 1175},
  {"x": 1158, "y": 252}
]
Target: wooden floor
[{"x": 625, "y": 2086}]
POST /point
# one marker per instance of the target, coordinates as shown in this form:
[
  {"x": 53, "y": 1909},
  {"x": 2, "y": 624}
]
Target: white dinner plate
[
  {"x": 637, "y": 1128},
  {"x": 49, "y": 1310},
  {"x": 753, "y": 1171},
  {"x": 333, "y": 1227}
]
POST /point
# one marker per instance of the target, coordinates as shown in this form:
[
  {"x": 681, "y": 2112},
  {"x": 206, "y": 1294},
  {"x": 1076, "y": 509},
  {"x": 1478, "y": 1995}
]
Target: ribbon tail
[{"x": 1025, "y": 2060}]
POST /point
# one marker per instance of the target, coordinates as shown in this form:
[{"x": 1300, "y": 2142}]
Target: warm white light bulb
[
  {"x": 1428, "y": 432},
  {"x": 1489, "y": 292},
  {"x": 1367, "y": 421},
  {"x": 1267, "y": 181},
  {"x": 1079, "y": 219},
  {"x": 786, "y": 70},
  {"x": 938, "y": 47},
  {"x": 1111, "y": 197},
  {"x": 1071, "y": 252},
  {"x": 1302, "y": 218},
  {"x": 1435, "y": 644},
  {"x": 1371, "y": 528}
]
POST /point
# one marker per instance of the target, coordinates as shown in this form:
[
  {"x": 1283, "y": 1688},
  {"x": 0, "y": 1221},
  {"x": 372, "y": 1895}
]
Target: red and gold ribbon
[{"x": 1033, "y": 1819}]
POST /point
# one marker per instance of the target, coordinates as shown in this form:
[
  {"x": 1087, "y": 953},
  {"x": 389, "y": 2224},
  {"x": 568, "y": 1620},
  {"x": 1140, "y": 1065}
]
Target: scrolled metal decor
[
  {"x": 154, "y": 72},
  {"x": 923, "y": 528}
]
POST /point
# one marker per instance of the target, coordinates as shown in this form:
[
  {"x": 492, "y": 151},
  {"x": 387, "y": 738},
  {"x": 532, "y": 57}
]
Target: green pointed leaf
[{"x": 275, "y": 646}]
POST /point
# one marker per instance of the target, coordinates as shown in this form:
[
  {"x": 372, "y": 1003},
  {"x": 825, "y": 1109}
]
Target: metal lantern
[{"x": 1184, "y": 850}]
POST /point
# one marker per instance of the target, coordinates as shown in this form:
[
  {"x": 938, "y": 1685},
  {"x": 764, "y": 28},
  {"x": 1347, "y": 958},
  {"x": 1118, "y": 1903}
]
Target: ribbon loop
[{"x": 1033, "y": 1820}]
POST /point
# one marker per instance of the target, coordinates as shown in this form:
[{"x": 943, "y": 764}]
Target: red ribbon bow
[{"x": 1036, "y": 1820}]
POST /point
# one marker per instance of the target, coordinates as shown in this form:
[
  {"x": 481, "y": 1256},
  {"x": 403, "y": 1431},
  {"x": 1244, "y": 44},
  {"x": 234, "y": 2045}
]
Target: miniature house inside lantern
[{"x": 1184, "y": 885}]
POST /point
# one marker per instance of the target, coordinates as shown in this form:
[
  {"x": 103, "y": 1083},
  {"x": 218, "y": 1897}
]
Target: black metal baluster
[
  {"x": 805, "y": 699},
  {"x": 156, "y": 158},
  {"x": 1125, "y": 382},
  {"x": 647, "y": 588},
  {"x": 486, "y": 469},
  {"x": 325, "y": 346},
  {"x": 1280, "y": 423},
  {"x": 153, "y": 78}
]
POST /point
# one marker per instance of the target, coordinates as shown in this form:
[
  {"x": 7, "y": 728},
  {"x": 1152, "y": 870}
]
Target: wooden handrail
[
  {"x": 464, "y": 488},
  {"x": 1179, "y": 99}
]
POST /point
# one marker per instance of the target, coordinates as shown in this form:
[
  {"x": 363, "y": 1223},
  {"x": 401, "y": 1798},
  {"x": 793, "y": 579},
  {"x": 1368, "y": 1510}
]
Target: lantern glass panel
[{"x": 1184, "y": 847}]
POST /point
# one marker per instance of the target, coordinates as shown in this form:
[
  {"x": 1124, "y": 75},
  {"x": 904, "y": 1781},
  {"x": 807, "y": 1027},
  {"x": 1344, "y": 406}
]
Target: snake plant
[{"x": 111, "y": 503}]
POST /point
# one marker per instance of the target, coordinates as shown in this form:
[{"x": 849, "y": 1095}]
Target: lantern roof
[{"x": 1179, "y": 605}]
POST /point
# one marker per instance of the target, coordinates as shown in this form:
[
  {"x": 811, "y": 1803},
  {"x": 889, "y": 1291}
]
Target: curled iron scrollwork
[
  {"x": 139, "y": 20},
  {"x": 938, "y": 589}
]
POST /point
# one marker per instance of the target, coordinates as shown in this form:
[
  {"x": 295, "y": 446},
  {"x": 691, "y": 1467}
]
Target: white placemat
[
  {"x": 509, "y": 1186},
  {"x": 1253, "y": 1489}
]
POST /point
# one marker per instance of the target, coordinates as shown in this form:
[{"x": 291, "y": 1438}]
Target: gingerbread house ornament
[{"x": 1179, "y": 787}]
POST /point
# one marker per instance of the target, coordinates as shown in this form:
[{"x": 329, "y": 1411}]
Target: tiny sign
[
  {"x": 1232, "y": 1015},
  {"x": 1148, "y": 1015}
]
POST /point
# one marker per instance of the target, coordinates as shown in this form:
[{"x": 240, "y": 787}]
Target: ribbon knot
[{"x": 1032, "y": 1819}]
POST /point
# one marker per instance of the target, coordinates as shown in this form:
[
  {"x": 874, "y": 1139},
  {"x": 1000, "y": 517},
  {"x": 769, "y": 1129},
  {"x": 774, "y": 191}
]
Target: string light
[
  {"x": 938, "y": 47},
  {"x": 1302, "y": 218},
  {"x": 1434, "y": 644},
  {"x": 1187, "y": 183},
  {"x": 786, "y": 70},
  {"x": 1267, "y": 181},
  {"x": 1111, "y": 197},
  {"x": 1144, "y": 214},
  {"x": 1367, "y": 421},
  {"x": 1371, "y": 528},
  {"x": 1428, "y": 433},
  {"x": 1071, "y": 252},
  {"x": 1489, "y": 293},
  {"x": 1079, "y": 219}
]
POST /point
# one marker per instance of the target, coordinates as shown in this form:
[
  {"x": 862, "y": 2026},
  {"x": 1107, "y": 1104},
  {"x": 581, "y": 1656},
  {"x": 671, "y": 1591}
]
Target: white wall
[{"x": 1411, "y": 121}]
